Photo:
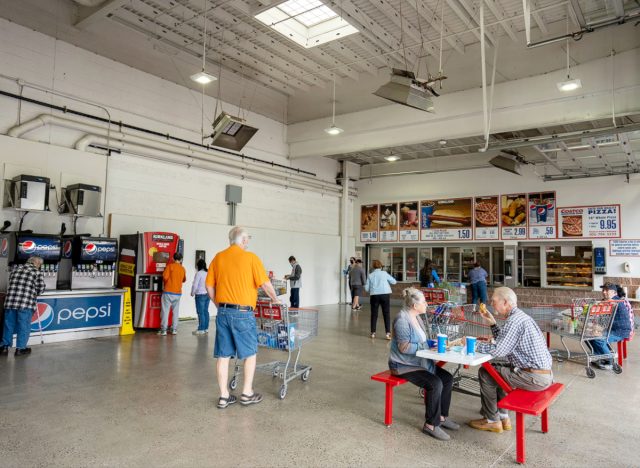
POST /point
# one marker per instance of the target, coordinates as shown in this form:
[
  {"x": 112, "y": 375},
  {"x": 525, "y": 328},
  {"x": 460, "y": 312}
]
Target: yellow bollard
[{"x": 127, "y": 314}]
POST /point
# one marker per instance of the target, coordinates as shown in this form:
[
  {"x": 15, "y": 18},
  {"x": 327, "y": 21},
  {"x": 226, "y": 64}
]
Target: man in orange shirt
[
  {"x": 173, "y": 276},
  {"x": 232, "y": 283}
]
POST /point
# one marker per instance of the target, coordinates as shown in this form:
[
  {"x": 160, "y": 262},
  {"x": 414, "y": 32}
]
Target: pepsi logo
[
  {"x": 90, "y": 249},
  {"x": 28, "y": 246},
  {"x": 4, "y": 247},
  {"x": 42, "y": 313},
  {"x": 67, "y": 249},
  {"x": 542, "y": 209}
]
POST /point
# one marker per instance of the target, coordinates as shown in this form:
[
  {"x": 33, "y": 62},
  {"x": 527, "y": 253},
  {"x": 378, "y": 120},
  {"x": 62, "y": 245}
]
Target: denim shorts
[{"x": 235, "y": 334}]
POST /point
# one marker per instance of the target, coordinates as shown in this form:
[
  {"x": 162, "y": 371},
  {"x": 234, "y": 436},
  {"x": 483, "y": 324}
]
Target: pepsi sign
[
  {"x": 46, "y": 247},
  {"x": 94, "y": 249},
  {"x": 67, "y": 249},
  {"x": 71, "y": 313}
]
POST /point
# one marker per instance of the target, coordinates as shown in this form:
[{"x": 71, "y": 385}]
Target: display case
[{"x": 570, "y": 267}]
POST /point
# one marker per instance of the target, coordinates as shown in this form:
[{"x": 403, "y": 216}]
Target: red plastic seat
[
  {"x": 390, "y": 381},
  {"x": 533, "y": 403}
]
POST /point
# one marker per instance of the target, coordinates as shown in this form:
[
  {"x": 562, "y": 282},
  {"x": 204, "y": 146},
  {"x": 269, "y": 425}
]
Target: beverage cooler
[{"x": 143, "y": 258}]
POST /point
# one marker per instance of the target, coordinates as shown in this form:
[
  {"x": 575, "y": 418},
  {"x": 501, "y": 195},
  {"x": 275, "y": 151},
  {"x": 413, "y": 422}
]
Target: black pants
[
  {"x": 295, "y": 297},
  {"x": 383, "y": 300},
  {"x": 437, "y": 392}
]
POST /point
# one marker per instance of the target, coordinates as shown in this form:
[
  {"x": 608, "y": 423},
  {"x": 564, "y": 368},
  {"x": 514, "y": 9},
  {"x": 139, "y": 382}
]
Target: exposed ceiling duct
[
  {"x": 405, "y": 89},
  {"x": 509, "y": 161},
  {"x": 231, "y": 132}
]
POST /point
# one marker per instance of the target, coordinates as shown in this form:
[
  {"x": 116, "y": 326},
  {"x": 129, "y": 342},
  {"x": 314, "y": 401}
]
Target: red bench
[
  {"x": 389, "y": 381},
  {"x": 533, "y": 403}
]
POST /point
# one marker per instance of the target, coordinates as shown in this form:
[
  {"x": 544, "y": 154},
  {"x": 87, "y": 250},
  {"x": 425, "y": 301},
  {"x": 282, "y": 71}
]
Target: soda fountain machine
[
  {"x": 143, "y": 258},
  {"x": 87, "y": 263},
  {"x": 21, "y": 246}
]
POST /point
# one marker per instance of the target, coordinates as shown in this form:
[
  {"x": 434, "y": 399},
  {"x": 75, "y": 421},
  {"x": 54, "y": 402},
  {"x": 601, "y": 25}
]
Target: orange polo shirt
[
  {"x": 235, "y": 275},
  {"x": 173, "y": 276}
]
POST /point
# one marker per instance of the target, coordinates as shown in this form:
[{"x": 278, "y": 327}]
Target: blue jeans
[
  {"x": 600, "y": 347},
  {"x": 295, "y": 297},
  {"x": 479, "y": 291},
  {"x": 202, "y": 307},
  {"x": 18, "y": 320},
  {"x": 236, "y": 334}
]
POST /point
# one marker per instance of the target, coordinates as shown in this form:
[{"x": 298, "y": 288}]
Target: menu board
[
  {"x": 487, "y": 215},
  {"x": 598, "y": 221},
  {"x": 444, "y": 220},
  {"x": 542, "y": 215},
  {"x": 369, "y": 223},
  {"x": 409, "y": 222},
  {"x": 513, "y": 221},
  {"x": 388, "y": 222}
]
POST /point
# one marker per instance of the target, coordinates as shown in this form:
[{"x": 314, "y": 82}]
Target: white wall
[
  {"x": 147, "y": 194},
  {"x": 596, "y": 191}
]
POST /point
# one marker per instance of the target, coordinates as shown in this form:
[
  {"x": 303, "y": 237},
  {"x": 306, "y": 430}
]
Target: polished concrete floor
[{"x": 150, "y": 401}]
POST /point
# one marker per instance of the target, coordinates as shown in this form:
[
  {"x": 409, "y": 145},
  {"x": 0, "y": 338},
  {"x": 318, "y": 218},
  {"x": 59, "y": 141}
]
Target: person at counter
[
  {"x": 428, "y": 275},
  {"x": 26, "y": 283},
  {"x": 379, "y": 288},
  {"x": 521, "y": 342},
  {"x": 357, "y": 279},
  {"x": 409, "y": 336},
  {"x": 173, "y": 276},
  {"x": 478, "y": 279},
  {"x": 620, "y": 328}
]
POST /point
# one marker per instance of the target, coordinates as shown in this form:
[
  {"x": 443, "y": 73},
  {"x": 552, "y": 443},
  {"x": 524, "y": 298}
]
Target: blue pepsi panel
[
  {"x": 46, "y": 247},
  {"x": 68, "y": 313},
  {"x": 105, "y": 250}
]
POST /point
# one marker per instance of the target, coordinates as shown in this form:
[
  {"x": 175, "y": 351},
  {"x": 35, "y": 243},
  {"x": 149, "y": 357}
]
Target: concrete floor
[{"x": 150, "y": 401}]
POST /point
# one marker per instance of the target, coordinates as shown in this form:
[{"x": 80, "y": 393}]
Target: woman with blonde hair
[{"x": 409, "y": 336}]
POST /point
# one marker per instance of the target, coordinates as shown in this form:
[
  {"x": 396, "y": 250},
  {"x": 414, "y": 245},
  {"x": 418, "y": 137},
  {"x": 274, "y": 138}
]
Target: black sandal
[
  {"x": 224, "y": 402},
  {"x": 250, "y": 399}
]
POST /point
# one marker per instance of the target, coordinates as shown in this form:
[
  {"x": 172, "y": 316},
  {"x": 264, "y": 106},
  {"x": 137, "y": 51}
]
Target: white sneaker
[
  {"x": 198, "y": 332},
  {"x": 162, "y": 332},
  {"x": 174, "y": 331}
]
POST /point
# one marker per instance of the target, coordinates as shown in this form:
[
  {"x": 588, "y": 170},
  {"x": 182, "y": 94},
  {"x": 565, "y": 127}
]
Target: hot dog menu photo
[
  {"x": 487, "y": 215},
  {"x": 369, "y": 223},
  {"x": 389, "y": 222},
  {"x": 446, "y": 219},
  {"x": 513, "y": 219}
]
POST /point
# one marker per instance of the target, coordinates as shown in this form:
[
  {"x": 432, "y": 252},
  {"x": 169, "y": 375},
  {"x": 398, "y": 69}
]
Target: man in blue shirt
[{"x": 478, "y": 280}]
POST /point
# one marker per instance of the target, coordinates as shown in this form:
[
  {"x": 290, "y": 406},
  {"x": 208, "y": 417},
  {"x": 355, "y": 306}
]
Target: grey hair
[
  {"x": 506, "y": 294},
  {"x": 35, "y": 261},
  {"x": 412, "y": 296},
  {"x": 237, "y": 235}
]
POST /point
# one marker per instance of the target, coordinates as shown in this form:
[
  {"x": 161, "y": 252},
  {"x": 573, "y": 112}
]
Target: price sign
[
  {"x": 513, "y": 220},
  {"x": 388, "y": 222},
  {"x": 409, "y": 221},
  {"x": 369, "y": 223},
  {"x": 446, "y": 220},
  {"x": 600, "y": 221},
  {"x": 542, "y": 215},
  {"x": 487, "y": 215}
]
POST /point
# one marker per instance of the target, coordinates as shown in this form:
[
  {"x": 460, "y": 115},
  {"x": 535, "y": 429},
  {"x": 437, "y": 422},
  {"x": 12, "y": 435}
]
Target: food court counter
[{"x": 77, "y": 314}]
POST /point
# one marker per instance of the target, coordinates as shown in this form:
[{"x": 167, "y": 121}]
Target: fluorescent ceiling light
[
  {"x": 333, "y": 130},
  {"x": 203, "y": 78},
  {"x": 569, "y": 85},
  {"x": 392, "y": 158},
  {"x": 308, "y": 23}
]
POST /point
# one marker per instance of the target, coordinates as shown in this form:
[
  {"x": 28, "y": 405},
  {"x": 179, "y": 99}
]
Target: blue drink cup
[
  {"x": 471, "y": 345},
  {"x": 427, "y": 210},
  {"x": 431, "y": 343},
  {"x": 442, "y": 343},
  {"x": 541, "y": 213}
]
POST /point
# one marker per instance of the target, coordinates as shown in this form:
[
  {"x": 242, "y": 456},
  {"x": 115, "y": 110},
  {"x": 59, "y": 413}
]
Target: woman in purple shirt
[{"x": 199, "y": 291}]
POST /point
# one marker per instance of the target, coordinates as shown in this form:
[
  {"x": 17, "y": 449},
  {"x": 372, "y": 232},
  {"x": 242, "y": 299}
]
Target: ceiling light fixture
[
  {"x": 203, "y": 77},
  {"x": 333, "y": 129},
  {"x": 392, "y": 158},
  {"x": 570, "y": 84}
]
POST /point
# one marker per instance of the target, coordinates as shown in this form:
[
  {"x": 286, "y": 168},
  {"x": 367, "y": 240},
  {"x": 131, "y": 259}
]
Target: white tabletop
[{"x": 455, "y": 358}]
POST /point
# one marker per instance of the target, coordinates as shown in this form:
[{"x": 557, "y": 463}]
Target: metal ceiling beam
[
  {"x": 90, "y": 15},
  {"x": 549, "y": 160},
  {"x": 230, "y": 65},
  {"x": 596, "y": 148},
  {"x": 433, "y": 18},
  {"x": 625, "y": 144},
  {"x": 499, "y": 12},
  {"x": 565, "y": 149},
  {"x": 618, "y": 7},
  {"x": 468, "y": 21},
  {"x": 539, "y": 19},
  {"x": 576, "y": 13},
  {"x": 239, "y": 48}
]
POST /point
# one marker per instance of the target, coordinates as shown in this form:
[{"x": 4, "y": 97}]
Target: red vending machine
[{"x": 143, "y": 258}]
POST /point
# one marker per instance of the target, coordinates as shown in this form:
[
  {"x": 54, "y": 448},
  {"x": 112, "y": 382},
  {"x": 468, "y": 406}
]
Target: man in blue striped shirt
[{"x": 522, "y": 343}]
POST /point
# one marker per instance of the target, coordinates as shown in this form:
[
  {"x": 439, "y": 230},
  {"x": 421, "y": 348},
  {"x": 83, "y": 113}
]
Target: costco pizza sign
[{"x": 586, "y": 222}]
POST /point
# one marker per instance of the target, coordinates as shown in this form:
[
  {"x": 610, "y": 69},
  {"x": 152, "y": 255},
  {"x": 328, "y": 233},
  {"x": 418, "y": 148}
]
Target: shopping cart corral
[{"x": 286, "y": 330}]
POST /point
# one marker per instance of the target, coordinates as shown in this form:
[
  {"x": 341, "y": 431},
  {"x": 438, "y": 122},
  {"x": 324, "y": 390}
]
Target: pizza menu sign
[
  {"x": 585, "y": 222},
  {"x": 486, "y": 218}
]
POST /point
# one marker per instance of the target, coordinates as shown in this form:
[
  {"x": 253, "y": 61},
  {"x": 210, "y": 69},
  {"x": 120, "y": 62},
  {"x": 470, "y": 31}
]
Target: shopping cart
[
  {"x": 280, "y": 287},
  {"x": 286, "y": 330},
  {"x": 435, "y": 295}
]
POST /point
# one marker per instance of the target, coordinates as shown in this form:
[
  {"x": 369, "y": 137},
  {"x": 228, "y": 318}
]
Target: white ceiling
[{"x": 277, "y": 78}]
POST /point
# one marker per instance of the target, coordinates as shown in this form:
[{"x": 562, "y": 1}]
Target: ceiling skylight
[{"x": 306, "y": 22}]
